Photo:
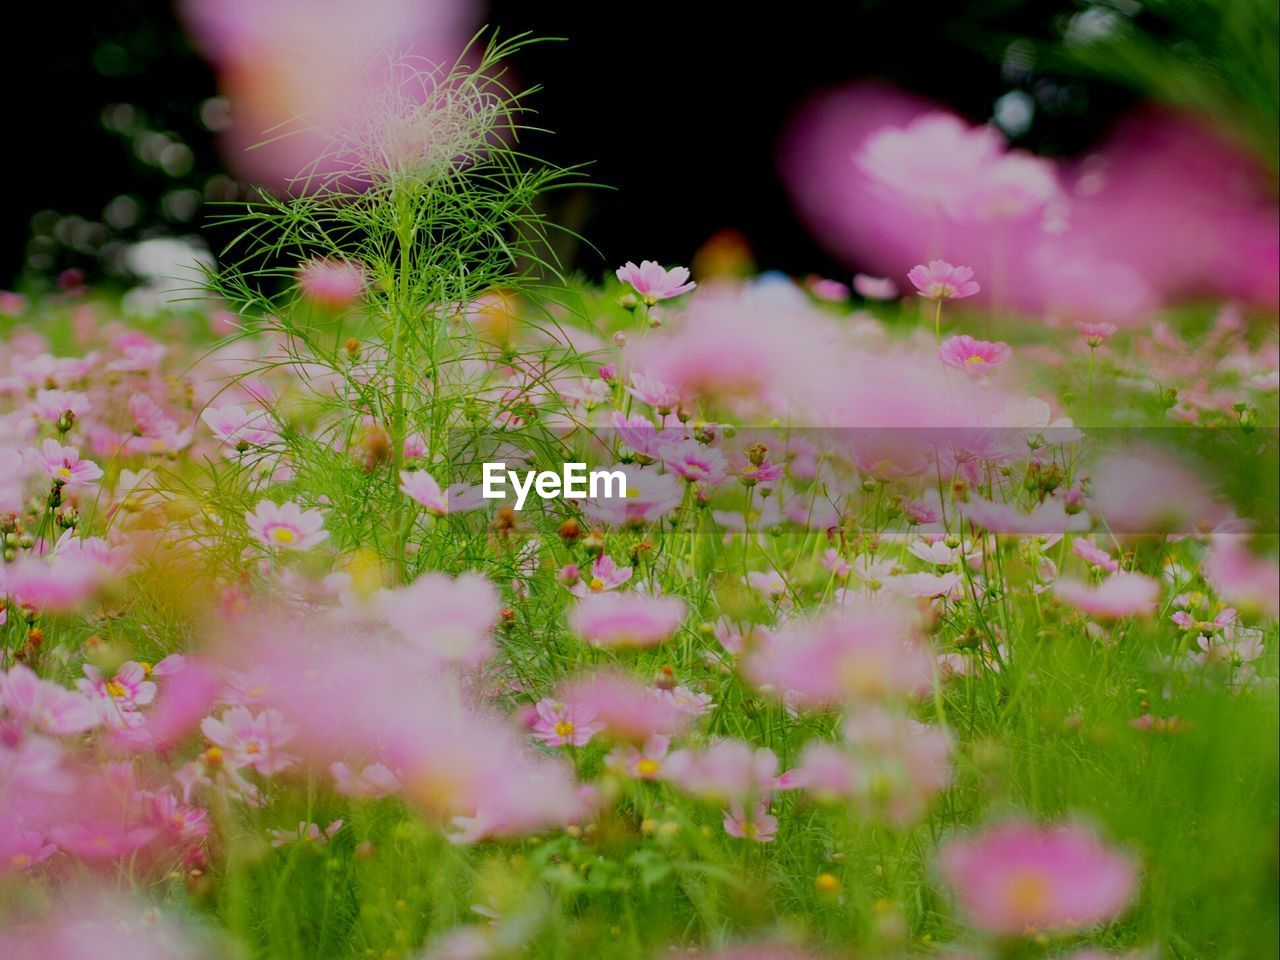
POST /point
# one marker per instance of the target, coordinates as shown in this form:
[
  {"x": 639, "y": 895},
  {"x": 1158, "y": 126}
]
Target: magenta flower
[
  {"x": 626, "y": 619},
  {"x": 46, "y": 706},
  {"x": 653, "y": 283},
  {"x": 335, "y": 284},
  {"x": 560, "y": 724},
  {"x": 286, "y": 526},
  {"x": 941, "y": 281},
  {"x": 247, "y": 740},
  {"x": 1018, "y": 878},
  {"x": 977, "y": 358},
  {"x": 695, "y": 462},
  {"x": 64, "y": 465},
  {"x": 757, "y": 824}
]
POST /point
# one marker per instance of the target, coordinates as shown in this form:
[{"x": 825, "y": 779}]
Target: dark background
[{"x": 678, "y": 106}]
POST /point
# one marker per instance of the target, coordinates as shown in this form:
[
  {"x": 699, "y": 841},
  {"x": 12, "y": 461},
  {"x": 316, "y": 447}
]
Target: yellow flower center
[
  {"x": 146, "y": 667},
  {"x": 564, "y": 728},
  {"x": 283, "y": 535},
  {"x": 1027, "y": 893},
  {"x": 252, "y": 748},
  {"x": 596, "y": 584},
  {"x": 63, "y": 472},
  {"x": 646, "y": 767},
  {"x": 749, "y": 829},
  {"x": 20, "y": 860},
  {"x": 116, "y": 689},
  {"x": 975, "y": 359}
]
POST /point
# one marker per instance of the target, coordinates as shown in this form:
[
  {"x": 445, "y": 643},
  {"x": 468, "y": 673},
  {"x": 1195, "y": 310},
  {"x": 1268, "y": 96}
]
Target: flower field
[{"x": 927, "y": 626}]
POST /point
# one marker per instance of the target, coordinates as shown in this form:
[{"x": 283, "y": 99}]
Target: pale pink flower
[
  {"x": 560, "y": 724},
  {"x": 650, "y": 497},
  {"x": 306, "y": 834},
  {"x": 335, "y": 284},
  {"x": 626, "y": 619},
  {"x": 58, "y": 406},
  {"x": 644, "y": 763},
  {"x": 64, "y": 465},
  {"x": 252, "y": 741},
  {"x": 1097, "y": 333},
  {"x": 866, "y": 651},
  {"x": 449, "y": 620},
  {"x": 924, "y": 585},
  {"x": 1120, "y": 595},
  {"x": 757, "y": 825},
  {"x": 976, "y": 358},
  {"x": 653, "y": 283},
  {"x": 695, "y": 461},
  {"x": 875, "y": 288},
  {"x": 21, "y": 848},
  {"x": 1018, "y": 878},
  {"x": 655, "y": 393},
  {"x": 241, "y": 427},
  {"x": 119, "y": 696},
  {"x": 726, "y": 770},
  {"x": 374, "y": 780},
  {"x": 46, "y": 706},
  {"x": 1250, "y": 581},
  {"x": 31, "y": 763},
  {"x": 421, "y": 487},
  {"x": 58, "y": 584},
  {"x": 604, "y": 575},
  {"x": 286, "y": 526},
  {"x": 942, "y": 281},
  {"x": 1085, "y": 549},
  {"x": 624, "y": 707}
]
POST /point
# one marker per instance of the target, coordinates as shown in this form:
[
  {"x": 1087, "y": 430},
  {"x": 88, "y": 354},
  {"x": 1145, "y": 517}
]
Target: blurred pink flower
[
  {"x": 446, "y": 619},
  {"x": 1120, "y": 595},
  {"x": 626, "y": 619},
  {"x": 1017, "y": 878},
  {"x": 976, "y": 358},
  {"x": 45, "y": 706},
  {"x": 64, "y": 465},
  {"x": 1085, "y": 550},
  {"x": 1250, "y": 581},
  {"x": 559, "y": 724},
  {"x": 249, "y": 740},
  {"x": 286, "y": 526},
  {"x": 875, "y": 288},
  {"x": 625, "y": 708},
  {"x": 374, "y": 780},
  {"x": 333, "y": 284},
  {"x": 1096, "y": 333},
  {"x": 758, "y": 825},
  {"x": 653, "y": 283},
  {"x": 422, "y": 488},
  {"x": 941, "y": 281},
  {"x": 726, "y": 770}
]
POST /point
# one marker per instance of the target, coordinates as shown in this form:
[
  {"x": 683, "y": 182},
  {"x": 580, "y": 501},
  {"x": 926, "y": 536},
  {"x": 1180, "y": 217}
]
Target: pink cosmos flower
[
  {"x": 46, "y": 706},
  {"x": 757, "y": 825},
  {"x": 375, "y": 780},
  {"x": 61, "y": 583},
  {"x": 187, "y": 692},
  {"x": 866, "y": 651},
  {"x": 655, "y": 393},
  {"x": 1120, "y": 595},
  {"x": 422, "y": 488},
  {"x": 726, "y": 770},
  {"x": 976, "y": 358},
  {"x": 58, "y": 406},
  {"x": 334, "y": 284},
  {"x": 306, "y": 833},
  {"x": 1085, "y": 549},
  {"x": 559, "y": 724},
  {"x": 695, "y": 461},
  {"x": 941, "y": 281},
  {"x": 449, "y": 620},
  {"x": 286, "y": 526},
  {"x": 252, "y": 741},
  {"x": 64, "y": 465},
  {"x": 31, "y": 763},
  {"x": 604, "y": 575},
  {"x": 644, "y": 763},
  {"x": 1096, "y": 333},
  {"x": 875, "y": 288},
  {"x": 119, "y": 696},
  {"x": 1015, "y": 878},
  {"x": 653, "y": 283},
  {"x": 240, "y": 427},
  {"x": 1249, "y": 581},
  {"x": 626, "y": 619},
  {"x": 650, "y": 497},
  {"x": 624, "y": 707},
  {"x": 20, "y": 847}
]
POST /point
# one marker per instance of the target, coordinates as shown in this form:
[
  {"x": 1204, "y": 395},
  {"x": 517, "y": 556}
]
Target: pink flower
[
  {"x": 1096, "y": 333},
  {"x": 650, "y": 496},
  {"x": 421, "y": 487},
  {"x": 866, "y": 651},
  {"x": 977, "y": 358},
  {"x": 624, "y": 707},
  {"x": 59, "y": 406},
  {"x": 286, "y": 526},
  {"x": 695, "y": 461},
  {"x": 605, "y": 575},
  {"x": 46, "y": 706},
  {"x": 64, "y": 465},
  {"x": 1015, "y": 878},
  {"x": 1252, "y": 582},
  {"x": 334, "y": 284},
  {"x": 758, "y": 825},
  {"x": 626, "y": 619},
  {"x": 654, "y": 283},
  {"x": 449, "y": 620},
  {"x": 252, "y": 741},
  {"x": 61, "y": 584},
  {"x": 119, "y": 697},
  {"x": 375, "y": 780},
  {"x": 1120, "y": 595},
  {"x": 655, "y": 393},
  {"x": 561, "y": 724},
  {"x": 941, "y": 281},
  {"x": 641, "y": 764},
  {"x": 306, "y": 833},
  {"x": 240, "y": 427},
  {"x": 1091, "y": 554},
  {"x": 726, "y": 770},
  {"x": 875, "y": 288}
]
